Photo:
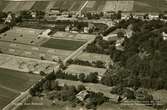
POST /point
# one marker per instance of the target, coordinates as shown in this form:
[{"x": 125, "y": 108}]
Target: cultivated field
[
  {"x": 33, "y": 52},
  {"x": 12, "y": 83},
  {"x": 11, "y": 6},
  {"x": 63, "y": 44},
  {"x": 40, "y": 5},
  {"x": 93, "y": 5},
  {"x": 78, "y": 69},
  {"x": 27, "y": 5},
  {"x": 26, "y": 64}
]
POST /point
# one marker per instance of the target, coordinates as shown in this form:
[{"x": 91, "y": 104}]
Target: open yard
[
  {"x": 63, "y": 44},
  {"x": 12, "y": 83}
]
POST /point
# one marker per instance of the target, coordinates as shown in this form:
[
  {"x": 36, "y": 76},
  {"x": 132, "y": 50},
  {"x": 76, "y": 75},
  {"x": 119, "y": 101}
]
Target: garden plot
[
  {"x": 12, "y": 83},
  {"x": 24, "y": 35},
  {"x": 62, "y": 44},
  {"x": 78, "y": 69},
  {"x": 73, "y": 36},
  {"x": 94, "y": 57}
]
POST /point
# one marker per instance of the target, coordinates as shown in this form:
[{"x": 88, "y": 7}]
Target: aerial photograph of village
[{"x": 83, "y": 54}]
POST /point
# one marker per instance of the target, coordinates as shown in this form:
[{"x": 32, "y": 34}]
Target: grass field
[
  {"x": 63, "y": 44},
  {"x": 12, "y": 83}
]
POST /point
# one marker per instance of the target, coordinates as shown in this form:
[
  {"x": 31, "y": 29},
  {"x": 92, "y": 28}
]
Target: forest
[{"x": 143, "y": 63}]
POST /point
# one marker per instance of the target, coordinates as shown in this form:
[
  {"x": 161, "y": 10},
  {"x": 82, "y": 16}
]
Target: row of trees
[
  {"x": 91, "y": 77},
  {"x": 98, "y": 64}
]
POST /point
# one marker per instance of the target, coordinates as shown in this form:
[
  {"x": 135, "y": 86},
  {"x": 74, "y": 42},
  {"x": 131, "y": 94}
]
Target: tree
[
  {"x": 80, "y": 88},
  {"x": 92, "y": 77},
  {"x": 107, "y": 80},
  {"x": 82, "y": 77}
]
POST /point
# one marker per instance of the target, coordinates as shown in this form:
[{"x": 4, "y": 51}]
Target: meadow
[{"x": 12, "y": 83}]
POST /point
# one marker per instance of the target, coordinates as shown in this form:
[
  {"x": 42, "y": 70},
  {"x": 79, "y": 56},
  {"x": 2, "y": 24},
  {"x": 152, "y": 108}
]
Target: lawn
[
  {"x": 63, "y": 44},
  {"x": 12, "y": 83}
]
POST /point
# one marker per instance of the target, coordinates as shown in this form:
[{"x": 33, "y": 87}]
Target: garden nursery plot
[
  {"x": 63, "y": 44},
  {"x": 12, "y": 83}
]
